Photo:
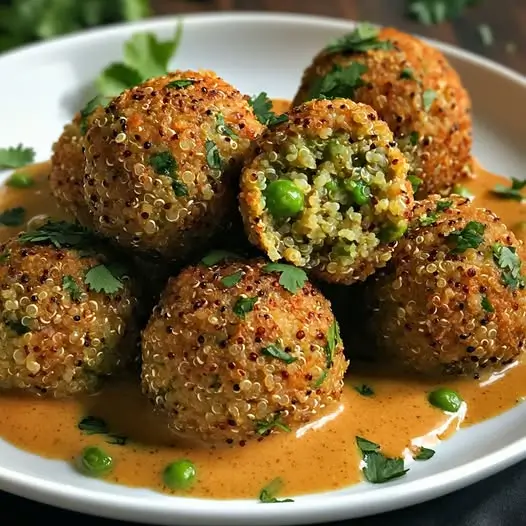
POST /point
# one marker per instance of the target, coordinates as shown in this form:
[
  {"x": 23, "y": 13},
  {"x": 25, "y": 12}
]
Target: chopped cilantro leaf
[
  {"x": 462, "y": 191},
  {"x": 415, "y": 182},
  {"x": 511, "y": 192},
  {"x": 264, "y": 427},
  {"x": 70, "y": 285},
  {"x": 244, "y": 306},
  {"x": 180, "y": 83},
  {"x": 222, "y": 128},
  {"x": 262, "y": 107},
  {"x": 364, "y": 390},
  {"x": 232, "y": 279},
  {"x": 428, "y": 219},
  {"x": 13, "y": 216},
  {"x": 101, "y": 279},
  {"x": 444, "y": 205},
  {"x": 486, "y": 304},
  {"x": 424, "y": 453},
  {"x": 59, "y": 234},
  {"x": 280, "y": 354},
  {"x": 18, "y": 327},
  {"x": 437, "y": 11},
  {"x": 179, "y": 188},
  {"x": 16, "y": 157},
  {"x": 93, "y": 425},
  {"x": 321, "y": 379},
  {"x": 333, "y": 339},
  {"x": 163, "y": 163},
  {"x": 339, "y": 82},
  {"x": 414, "y": 137},
  {"x": 428, "y": 97},
  {"x": 379, "y": 468},
  {"x": 507, "y": 259},
  {"x": 269, "y": 492},
  {"x": 361, "y": 39},
  {"x": 366, "y": 446},
  {"x": 407, "y": 74},
  {"x": 213, "y": 158},
  {"x": 217, "y": 256},
  {"x": 4, "y": 256},
  {"x": 471, "y": 236},
  {"x": 116, "y": 78},
  {"x": 20, "y": 180},
  {"x": 291, "y": 278},
  {"x": 89, "y": 108}
]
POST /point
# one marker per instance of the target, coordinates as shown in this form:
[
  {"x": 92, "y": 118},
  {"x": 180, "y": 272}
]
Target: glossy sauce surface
[{"x": 320, "y": 456}]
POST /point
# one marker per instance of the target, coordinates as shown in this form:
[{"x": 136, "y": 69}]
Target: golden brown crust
[
  {"x": 443, "y": 153},
  {"x": 204, "y": 365}
]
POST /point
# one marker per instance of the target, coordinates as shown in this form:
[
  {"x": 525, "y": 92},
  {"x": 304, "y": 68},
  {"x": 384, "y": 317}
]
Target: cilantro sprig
[
  {"x": 363, "y": 38},
  {"x": 70, "y": 285},
  {"x": 277, "y": 352},
  {"x": 379, "y": 468},
  {"x": 339, "y": 82},
  {"x": 264, "y": 427},
  {"x": 262, "y": 107},
  {"x": 269, "y": 492},
  {"x": 364, "y": 390},
  {"x": 510, "y": 192},
  {"x": 333, "y": 339},
  {"x": 60, "y": 234},
  {"x": 16, "y": 156},
  {"x": 217, "y": 256},
  {"x": 100, "y": 278},
  {"x": 244, "y": 305},
  {"x": 510, "y": 264},
  {"x": 436, "y": 11},
  {"x": 13, "y": 216},
  {"x": 471, "y": 236},
  {"x": 424, "y": 453},
  {"x": 291, "y": 278}
]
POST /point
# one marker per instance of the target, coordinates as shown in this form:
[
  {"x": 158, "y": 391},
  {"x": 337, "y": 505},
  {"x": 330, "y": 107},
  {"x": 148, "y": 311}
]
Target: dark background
[{"x": 499, "y": 500}]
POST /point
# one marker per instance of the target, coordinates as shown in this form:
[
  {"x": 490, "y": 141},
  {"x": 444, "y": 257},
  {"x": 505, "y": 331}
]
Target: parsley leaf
[
  {"x": 268, "y": 493},
  {"x": 436, "y": 11},
  {"x": 222, "y": 128},
  {"x": 513, "y": 192},
  {"x": 379, "y": 468},
  {"x": 366, "y": 446},
  {"x": 20, "y": 180},
  {"x": 428, "y": 97},
  {"x": 486, "y": 304},
  {"x": 264, "y": 427},
  {"x": 262, "y": 107},
  {"x": 292, "y": 278},
  {"x": 232, "y": 279},
  {"x": 407, "y": 74},
  {"x": 363, "y": 38},
  {"x": 507, "y": 259},
  {"x": 101, "y": 279},
  {"x": 89, "y": 108},
  {"x": 244, "y": 306},
  {"x": 70, "y": 285},
  {"x": 145, "y": 56},
  {"x": 16, "y": 156},
  {"x": 471, "y": 236},
  {"x": 364, "y": 390},
  {"x": 13, "y": 216},
  {"x": 415, "y": 182},
  {"x": 424, "y": 453},
  {"x": 339, "y": 82},
  {"x": 217, "y": 256},
  {"x": 333, "y": 339},
  {"x": 280, "y": 354},
  {"x": 59, "y": 234},
  {"x": 180, "y": 83},
  {"x": 213, "y": 158}
]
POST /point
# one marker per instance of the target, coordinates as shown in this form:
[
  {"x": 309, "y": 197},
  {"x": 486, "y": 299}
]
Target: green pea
[
  {"x": 284, "y": 198},
  {"x": 20, "y": 180},
  {"x": 445, "y": 399},
  {"x": 360, "y": 191},
  {"x": 94, "y": 462},
  {"x": 180, "y": 474},
  {"x": 392, "y": 232}
]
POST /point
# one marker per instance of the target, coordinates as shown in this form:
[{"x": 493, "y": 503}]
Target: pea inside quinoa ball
[
  {"x": 162, "y": 161},
  {"x": 231, "y": 354},
  {"x": 452, "y": 300},
  {"x": 67, "y": 314},
  {"x": 415, "y": 91},
  {"x": 327, "y": 190}
]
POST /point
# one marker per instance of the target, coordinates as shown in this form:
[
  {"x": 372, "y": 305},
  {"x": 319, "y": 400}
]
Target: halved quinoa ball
[
  {"x": 163, "y": 160},
  {"x": 58, "y": 335},
  {"x": 452, "y": 300},
  {"x": 67, "y": 172},
  {"x": 230, "y": 354},
  {"x": 327, "y": 190},
  {"x": 413, "y": 88}
]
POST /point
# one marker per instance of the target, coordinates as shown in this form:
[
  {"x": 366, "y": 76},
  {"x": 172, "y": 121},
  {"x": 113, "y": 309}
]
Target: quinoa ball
[
  {"x": 327, "y": 190},
  {"x": 162, "y": 161},
  {"x": 413, "y": 88},
  {"x": 67, "y": 172},
  {"x": 230, "y": 354},
  {"x": 452, "y": 300},
  {"x": 58, "y": 335}
]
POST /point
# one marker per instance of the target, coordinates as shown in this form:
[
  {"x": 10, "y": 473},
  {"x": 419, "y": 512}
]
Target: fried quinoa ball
[
  {"x": 58, "y": 336},
  {"x": 414, "y": 89},
  {"x": 229, "y": 354},
  {"x": 67, "y": 172},
  {"x": 452, "y": 300},
  {"x": 162, "y": 161},
  {"x": 327, "y": 190}
]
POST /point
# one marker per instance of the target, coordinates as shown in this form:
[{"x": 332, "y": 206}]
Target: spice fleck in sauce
[{"x": 320, "y": 456}]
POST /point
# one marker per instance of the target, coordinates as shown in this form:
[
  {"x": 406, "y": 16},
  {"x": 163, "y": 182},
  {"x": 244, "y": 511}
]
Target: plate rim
[{"x": 307, "y": 508}]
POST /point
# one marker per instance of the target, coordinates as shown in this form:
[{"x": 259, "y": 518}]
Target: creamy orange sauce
[{"x": 320, "y": 456}]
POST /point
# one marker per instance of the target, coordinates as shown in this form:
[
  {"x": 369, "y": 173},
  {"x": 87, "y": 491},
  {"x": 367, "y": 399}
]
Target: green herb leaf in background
[
  {"x": 436, "y": 11},
  {"x": 16, "y": 156}
]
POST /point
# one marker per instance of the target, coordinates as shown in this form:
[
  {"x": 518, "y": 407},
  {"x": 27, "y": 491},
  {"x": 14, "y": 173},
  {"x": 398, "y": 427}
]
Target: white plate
[{"x": 40, "y": 89}]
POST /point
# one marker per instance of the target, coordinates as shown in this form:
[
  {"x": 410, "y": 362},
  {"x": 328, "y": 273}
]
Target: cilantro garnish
[
  {"x": 264, "y": 427},
  {"x": 89, "y": 108},
  {"x": 222, "y": 128},
  {"x": 471, "y": 236},
  {"x": 20, "y": 180},
  {"x": 217, "y": 256},
  {"x": 363, "y": 38},
  {"x": 244, "y": 306},
  {"x": 262, "y": 107},
  {"x": 321, "y": 379},
  {"x": 428, "y": 219},
  {"x": 13, "y": 216},
  {"x": 70, "y": 285},
  {"x": 280, "y": 354},
  {"x": 145, "y": 56},
  {"x": 415, "y": 182},
  {"x": 364, "y": 390},
  {"x": 428, "y": 97},
  {"x": 16, "y": 156},
  {"x": 513, "y": 192},
  {"x": 424, "y": 453},
  {"x": 93, "y": 425},
  {"x": 179, "y": 188},
  {"x": 269, "y": 492},
  {"x": 18, "y": 327},
  {"x": 407, "y": 74},
  {"x": 333, "y": 339},
  {"x": 507, "y": 259},
  {"x": 292, "y": 278},
  {"x": 462, "y": 191},
  {"x": 163, "y": 163},
  {"x": 339, "y": 82},
  {"x": 436, "y": 11},
  {"x": 59, "y": 234},
  {"x": 101, "y": 279},
  {"x": 444, "y": 205},
  {"x": 213, "y": 158},
  {"x": 4, "y": 256},
  {"x": 486, "y": 304},
  {"x": 413, "y": 138},
  {"x": 379, "y": 468},
  {"x": 180, "y": 83},
  {"x": 232, "y": 279}
]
